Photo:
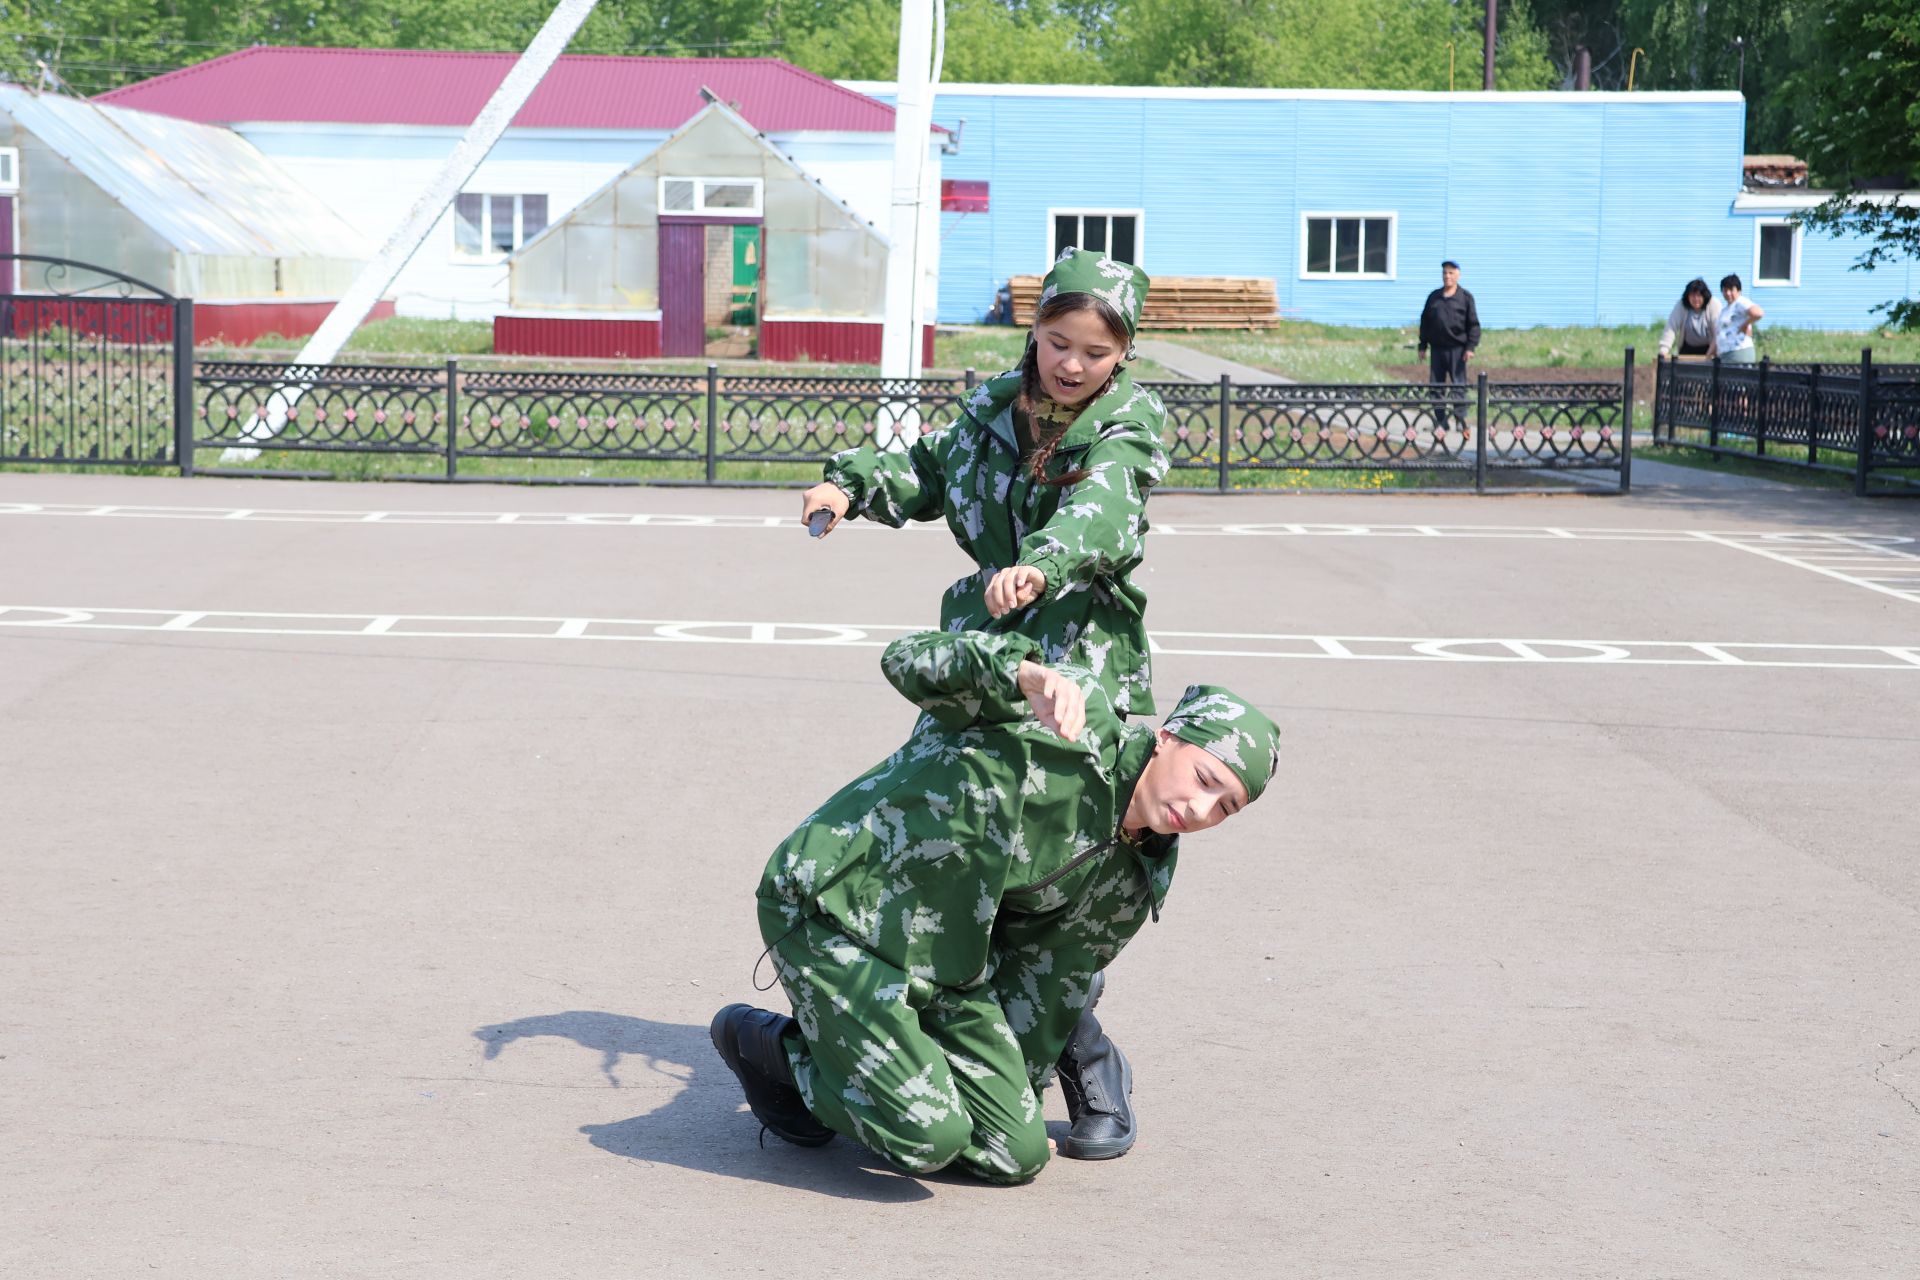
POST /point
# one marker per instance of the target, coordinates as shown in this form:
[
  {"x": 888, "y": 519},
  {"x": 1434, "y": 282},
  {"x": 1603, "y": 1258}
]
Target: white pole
[
  {"x": 378, "y": 274},
  {"x": 912, "y": 124}
]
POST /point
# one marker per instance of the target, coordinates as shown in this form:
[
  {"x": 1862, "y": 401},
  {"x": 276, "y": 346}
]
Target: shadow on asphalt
[{"x": 704, "y": 1125}]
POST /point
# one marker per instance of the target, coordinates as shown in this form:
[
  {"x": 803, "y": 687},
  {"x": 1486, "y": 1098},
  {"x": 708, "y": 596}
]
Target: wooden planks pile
[{"x": 1182, "y": 302}]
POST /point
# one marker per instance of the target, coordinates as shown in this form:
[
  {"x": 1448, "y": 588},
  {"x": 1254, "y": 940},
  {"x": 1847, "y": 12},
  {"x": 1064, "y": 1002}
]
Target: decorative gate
[{"x": 96, "y": 366}]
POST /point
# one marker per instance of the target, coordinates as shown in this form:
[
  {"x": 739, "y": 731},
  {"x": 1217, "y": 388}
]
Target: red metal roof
[{"x": 432, "y": 87}]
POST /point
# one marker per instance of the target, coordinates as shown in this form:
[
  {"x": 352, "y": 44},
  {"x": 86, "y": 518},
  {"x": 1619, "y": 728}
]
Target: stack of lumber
[{"x": 1182, "y": 302}]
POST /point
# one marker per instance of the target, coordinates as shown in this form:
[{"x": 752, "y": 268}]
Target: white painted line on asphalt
[
  {"x": 1717, "y": 654},
  {"x": 1828, "y": 539},
  {"x": 1530, "y": 651},
  {"x": 1881, "y": 553}
]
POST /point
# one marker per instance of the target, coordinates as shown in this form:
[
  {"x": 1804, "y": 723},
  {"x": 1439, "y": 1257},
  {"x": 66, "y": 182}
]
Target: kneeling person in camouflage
[{"x": 940, "y": 924}]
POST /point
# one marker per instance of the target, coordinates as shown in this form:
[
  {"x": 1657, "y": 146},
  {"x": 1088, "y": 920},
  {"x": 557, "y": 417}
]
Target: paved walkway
[
  {"x": 1201, "y": 367},
  {"x": 1648, "y": 472}
]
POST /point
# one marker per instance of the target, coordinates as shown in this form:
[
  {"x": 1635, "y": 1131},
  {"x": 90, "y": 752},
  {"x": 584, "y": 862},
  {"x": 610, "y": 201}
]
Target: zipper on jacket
[{"x": 1072, "y": 862}]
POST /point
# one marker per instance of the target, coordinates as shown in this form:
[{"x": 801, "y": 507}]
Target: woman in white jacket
[{"x": 1691, "y": 323}]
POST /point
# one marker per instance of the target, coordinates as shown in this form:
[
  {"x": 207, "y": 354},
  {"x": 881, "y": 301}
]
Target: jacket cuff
[
  {"x": 848, "y": 483},
  {"x": 1054, "y": 567}
]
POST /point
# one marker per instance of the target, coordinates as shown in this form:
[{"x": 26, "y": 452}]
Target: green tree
[
  {"x": 1350, "y": 44},
  {"x": 1749, "y": 45},
  {"x": 89, "y": 45},
  {"x": 1856, "y": 96},
  {"x": 1860, "y": 123},
  {"x": 987, "y": 41}
]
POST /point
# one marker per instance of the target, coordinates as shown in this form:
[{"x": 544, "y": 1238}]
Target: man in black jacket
[{"x": 1450, "y": 329}]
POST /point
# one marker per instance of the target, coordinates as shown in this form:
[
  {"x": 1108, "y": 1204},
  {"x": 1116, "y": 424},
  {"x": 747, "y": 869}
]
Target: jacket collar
[{"x": 1125, "y": 402}]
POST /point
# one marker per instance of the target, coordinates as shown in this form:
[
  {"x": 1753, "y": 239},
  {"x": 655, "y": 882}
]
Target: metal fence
[
  {"x": 93, "y": 364},
  {"x": 713, "y": 428},
  {"x": 1861, "y": 419}
]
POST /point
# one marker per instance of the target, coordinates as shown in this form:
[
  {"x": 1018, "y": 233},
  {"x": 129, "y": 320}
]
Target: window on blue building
[
  {"x": 1776, "y": 252},
  {"x": 1114, "y": 232},
  {"x": 1348, "y": 245}
]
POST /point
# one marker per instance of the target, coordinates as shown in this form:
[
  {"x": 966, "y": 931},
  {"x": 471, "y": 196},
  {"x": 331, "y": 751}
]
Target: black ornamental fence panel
[
  {"x": 1861, "y": 420},
  {"x": 95, "y": 365},
  {"x": 246, "y": 409},
  {"x": 1236, "y": 436},
  {"x": 714, "y": 428},
  {"x": 553, "y": 427}
]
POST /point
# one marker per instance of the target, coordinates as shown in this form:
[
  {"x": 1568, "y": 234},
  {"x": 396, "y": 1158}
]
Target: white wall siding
[{"x": 371, "y": 176}]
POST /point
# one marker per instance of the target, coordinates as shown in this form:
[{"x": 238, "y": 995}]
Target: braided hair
[{"x": 1047, "y": 440}]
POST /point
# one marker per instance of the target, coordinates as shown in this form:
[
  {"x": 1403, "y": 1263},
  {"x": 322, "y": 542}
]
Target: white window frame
[
  {"x": 1139, "y": 217},
  {"x": 487, "y": 252},
  {"x": 1393, "y": 244},
  {"x": 700, "y": 184},
  {"x": 1792, "y": 281},
  {"x": 9, "y": 170}
]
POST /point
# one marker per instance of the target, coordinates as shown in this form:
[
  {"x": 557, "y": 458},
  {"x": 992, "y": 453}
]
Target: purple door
[{"x": 683, "y": 305}]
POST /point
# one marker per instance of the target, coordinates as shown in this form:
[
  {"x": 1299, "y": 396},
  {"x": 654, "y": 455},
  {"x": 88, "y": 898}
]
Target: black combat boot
[
  {"x": 1097, "y": 1083},
  {"x": 749, "y": 1042}
]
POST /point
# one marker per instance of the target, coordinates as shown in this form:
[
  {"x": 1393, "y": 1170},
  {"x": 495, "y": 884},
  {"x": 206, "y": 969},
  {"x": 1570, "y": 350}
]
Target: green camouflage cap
[
  {"x": 1119, "y": 284},
  {"x": 1230, "y": 729}
]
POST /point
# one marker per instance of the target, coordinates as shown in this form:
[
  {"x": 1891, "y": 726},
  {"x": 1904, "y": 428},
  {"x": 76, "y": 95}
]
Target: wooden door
[{"x": 683, "y": 316}]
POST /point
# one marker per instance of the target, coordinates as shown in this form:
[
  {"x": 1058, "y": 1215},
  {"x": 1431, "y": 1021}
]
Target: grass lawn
[
  {"x": 1301, "y": 350},
  {"x": 1335, "y": 353}
]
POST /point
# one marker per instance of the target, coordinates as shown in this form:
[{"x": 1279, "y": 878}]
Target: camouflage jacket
[
  {"x": 985, "y": 823},
  {"x": 1085, "y": 537}
]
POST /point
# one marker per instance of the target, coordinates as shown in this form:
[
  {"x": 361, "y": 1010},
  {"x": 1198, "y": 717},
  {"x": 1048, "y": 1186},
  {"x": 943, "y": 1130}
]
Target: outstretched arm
[
  {"x": 890, "y": 487},
  {"x": 963, "y": 678}
]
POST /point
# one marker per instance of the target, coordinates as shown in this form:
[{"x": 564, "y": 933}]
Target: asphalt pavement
[{"x": 376, "y": 854}]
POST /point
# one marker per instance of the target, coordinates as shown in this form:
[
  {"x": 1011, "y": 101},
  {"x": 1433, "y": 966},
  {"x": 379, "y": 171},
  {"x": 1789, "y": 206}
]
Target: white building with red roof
[{"x": 367, "y": 128}]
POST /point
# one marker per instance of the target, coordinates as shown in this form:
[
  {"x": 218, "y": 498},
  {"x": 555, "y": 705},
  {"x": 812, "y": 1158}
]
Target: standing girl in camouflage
[
  {"x": 940, "y": 922},
  {"x": 1043, "y": 480}
]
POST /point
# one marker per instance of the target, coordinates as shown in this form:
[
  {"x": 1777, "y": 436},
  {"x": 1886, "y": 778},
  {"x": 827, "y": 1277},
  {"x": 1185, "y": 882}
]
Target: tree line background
[{"x": 1830, "y": 80}]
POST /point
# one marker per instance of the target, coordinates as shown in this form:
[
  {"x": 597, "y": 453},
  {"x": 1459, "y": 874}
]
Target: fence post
[
  {"x": 1480, "y": 435},
  {"x": 1659, "y": 392},
  {"x": 183, "y": 424},
  {"x": 1626, "y": 426},
  {"x": 1813, "y": 414},
  {"x": 1863, "y": 461},
  {"x": 1713, "y": 405},
  {"x": 1760, "y": 411},
  {"x": 453, "y": 416},
  {"x": 1226, "y": 406},
  {"x": 713, "y": 418},
  {"x": 971, "y": 377}
]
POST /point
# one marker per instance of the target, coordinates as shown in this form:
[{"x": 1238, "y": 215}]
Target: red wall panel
[
  {"x": 135, "y": 320},
  {"x": 242, "y": 322},
  {"x": 831, "y": 342},
  {"x": 604, "y": 339},
  {"x": 853, "y": 342}
]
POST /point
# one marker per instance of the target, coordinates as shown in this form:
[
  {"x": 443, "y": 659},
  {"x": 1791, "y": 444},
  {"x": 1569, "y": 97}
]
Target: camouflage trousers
[{"x": 928, "y": 1076}]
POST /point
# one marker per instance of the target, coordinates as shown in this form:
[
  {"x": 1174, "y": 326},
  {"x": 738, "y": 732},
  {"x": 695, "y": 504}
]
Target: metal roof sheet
[
  {"x": 434, "y": 87},
  {"x": 204, "y": 189}
]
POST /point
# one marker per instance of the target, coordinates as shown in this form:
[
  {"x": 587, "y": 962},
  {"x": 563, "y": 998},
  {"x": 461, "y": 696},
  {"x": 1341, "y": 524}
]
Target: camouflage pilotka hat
[
  {"x": 1121, "y": 285},
  {"x": 1231, "y": 730}
]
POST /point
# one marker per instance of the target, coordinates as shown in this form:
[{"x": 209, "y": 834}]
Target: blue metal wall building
[{"x": 1563, "y": 209}]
